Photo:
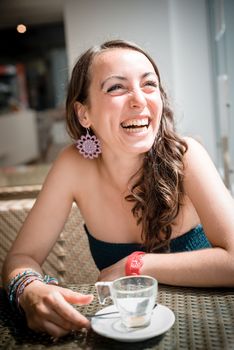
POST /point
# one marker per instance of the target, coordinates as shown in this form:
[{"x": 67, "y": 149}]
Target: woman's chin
[{"x": 139, "y": 148}]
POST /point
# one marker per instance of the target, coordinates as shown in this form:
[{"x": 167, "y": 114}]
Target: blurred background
[{"x": 191, "y": 41}]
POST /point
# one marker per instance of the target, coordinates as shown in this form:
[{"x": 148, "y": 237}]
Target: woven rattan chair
[
  {"x": 22, "y": 181},
  {"x": 70, "y": 260},
  {"x": 19, "y": 192}
]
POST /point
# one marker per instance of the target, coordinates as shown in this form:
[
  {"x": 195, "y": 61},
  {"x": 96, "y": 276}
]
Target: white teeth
[
  {"x": 135, "y": 122},
  {"x": 137, "y": 129}
]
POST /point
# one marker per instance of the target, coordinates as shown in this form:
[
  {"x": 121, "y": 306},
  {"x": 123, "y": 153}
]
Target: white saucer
[{"x": 110, "y": 325}]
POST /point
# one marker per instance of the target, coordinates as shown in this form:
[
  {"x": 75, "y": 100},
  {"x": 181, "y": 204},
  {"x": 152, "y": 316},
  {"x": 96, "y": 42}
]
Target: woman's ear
[{"x": 81, "y": 113}]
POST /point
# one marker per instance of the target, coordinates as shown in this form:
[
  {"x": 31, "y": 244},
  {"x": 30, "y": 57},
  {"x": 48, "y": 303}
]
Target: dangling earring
[{"x": 89, "y": 146}]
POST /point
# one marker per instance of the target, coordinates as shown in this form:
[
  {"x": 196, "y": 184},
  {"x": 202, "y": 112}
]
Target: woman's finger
[
  {"x": 66, "y": 311},
  {"x": 76, "y": 298},
  {"x": 44, "y": 312}
]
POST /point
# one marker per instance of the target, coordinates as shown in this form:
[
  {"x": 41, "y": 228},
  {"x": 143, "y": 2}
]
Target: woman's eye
[
  {"x": 115, "y": 87},
  {"x": 151, "y": 83}
]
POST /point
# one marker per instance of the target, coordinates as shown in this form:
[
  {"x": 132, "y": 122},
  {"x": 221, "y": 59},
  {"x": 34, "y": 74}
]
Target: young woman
[{"x": 152, "y": 201}]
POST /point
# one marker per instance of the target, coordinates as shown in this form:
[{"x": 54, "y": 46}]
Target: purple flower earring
[{"x": 89, "y": 146}]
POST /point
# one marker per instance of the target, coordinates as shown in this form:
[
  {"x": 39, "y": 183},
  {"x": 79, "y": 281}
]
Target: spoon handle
[{"x": 107, "y": 313}]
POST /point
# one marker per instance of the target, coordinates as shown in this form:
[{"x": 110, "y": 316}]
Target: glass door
[{"x": 221, "y": 14}]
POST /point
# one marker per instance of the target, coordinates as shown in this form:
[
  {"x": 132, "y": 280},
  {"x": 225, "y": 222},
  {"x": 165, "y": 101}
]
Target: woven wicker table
[{"x": 204, "y": 320}]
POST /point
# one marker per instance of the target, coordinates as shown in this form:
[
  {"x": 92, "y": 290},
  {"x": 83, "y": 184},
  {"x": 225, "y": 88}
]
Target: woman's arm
[
  {"x": 215, "y": 207},
  {"x": 44, "y": 222},
  {"x": 47, "y": 307}
]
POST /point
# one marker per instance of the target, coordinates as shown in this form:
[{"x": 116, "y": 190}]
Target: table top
[{"x": 204, "y": 319}]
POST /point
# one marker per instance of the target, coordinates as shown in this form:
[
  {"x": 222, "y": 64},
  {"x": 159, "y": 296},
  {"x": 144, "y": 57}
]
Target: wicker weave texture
[
  {"x": 204, "y": 320},
  {"x": 19, "y": 192},
  {"x": 73, "y": 254},
  {"x": 70, "y": 260},
  {"x": 24, "y": 175}
]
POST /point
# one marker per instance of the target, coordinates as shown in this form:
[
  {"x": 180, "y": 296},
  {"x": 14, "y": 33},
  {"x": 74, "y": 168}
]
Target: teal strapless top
[{"x": 106, "y": 254}]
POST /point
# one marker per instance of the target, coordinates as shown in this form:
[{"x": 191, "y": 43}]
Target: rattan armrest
[
  {"x": 70, "y": 260},
  {"x": 19, "y": 192}
]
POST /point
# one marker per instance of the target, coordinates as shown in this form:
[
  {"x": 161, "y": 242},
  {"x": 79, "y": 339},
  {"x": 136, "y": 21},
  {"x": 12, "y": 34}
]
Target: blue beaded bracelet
[{"x": 18, "y": 283}]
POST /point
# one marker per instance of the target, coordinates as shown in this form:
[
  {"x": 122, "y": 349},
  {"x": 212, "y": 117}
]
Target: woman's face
[{"x": 125, "y": 104}]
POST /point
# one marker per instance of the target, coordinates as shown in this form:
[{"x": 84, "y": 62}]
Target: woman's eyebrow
[{"x": 145, "y": 75}]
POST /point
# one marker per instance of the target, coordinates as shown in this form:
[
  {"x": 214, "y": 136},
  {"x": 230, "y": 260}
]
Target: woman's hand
[
  {"x": 114, "y": 271},
  {"x": 47, "y": 309}
]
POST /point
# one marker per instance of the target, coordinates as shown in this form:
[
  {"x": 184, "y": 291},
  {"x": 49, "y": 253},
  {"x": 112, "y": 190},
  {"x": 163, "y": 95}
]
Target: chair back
[
  {"x": 70, "y": 259},
  {"x": 19, "y": 192}
]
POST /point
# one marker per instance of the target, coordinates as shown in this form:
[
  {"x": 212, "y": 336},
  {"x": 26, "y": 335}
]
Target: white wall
[
  {"x": 91, "y": 22},
  {"x": 192, "y": 72},
  {"x": 173, "y": 31},
  {"x": 18, "y": 138}
]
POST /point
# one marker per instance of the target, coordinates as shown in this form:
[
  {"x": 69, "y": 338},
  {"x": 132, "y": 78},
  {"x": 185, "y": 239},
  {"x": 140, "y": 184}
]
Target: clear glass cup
[{"x": 133, "y": 296}]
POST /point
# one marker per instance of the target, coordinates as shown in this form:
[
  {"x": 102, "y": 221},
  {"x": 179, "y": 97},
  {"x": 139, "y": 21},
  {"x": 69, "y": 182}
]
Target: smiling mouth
[{"x": 136, "y": 125}]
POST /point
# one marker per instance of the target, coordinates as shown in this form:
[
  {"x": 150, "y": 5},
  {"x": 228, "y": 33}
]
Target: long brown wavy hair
[{"x": 157, "y": 193}]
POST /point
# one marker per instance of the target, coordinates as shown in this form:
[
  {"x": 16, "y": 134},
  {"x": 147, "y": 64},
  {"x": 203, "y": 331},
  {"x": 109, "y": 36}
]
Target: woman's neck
[{"x": 117, "y": 171}]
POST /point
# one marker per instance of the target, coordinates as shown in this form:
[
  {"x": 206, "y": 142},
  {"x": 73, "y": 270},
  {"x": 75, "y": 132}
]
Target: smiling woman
[
  {"x": 146, "y": 193},
  {"x": 133, "y": 97}
]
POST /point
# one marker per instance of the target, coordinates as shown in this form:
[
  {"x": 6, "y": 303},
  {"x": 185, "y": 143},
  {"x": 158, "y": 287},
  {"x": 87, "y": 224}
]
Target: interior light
[{"x": 21, "y": 28}]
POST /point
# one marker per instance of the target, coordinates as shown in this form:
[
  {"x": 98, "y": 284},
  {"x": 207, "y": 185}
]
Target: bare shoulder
[
  {"x": 198, "y": 163},
  {"x": 68, "y": 161},
  {"x": 199, "y": 167},
  {"x": 70, "y": 172},
  {"x": 211, "y": 199},
  {"x": 203, "y": 182},
  {"x": 67, "y": 156},
  {"x": 64, "y": 172},
  {"x": 202, "y": 179},
  {"x": 195, "y": 148}
]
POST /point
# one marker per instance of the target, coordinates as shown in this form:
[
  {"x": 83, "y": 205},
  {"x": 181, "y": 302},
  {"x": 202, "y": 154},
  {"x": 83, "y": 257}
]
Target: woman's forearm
[
  {"x": 16, "y": 263},
  {"x": 202, "y": 268}
]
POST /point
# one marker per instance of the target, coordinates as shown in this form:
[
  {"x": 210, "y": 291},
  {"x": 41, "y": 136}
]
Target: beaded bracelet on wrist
[
  {"x": 19, "y": 276},
  {"x": 17, "y": 284}
]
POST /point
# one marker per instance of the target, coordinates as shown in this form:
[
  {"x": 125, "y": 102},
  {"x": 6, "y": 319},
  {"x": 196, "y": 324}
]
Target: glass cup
[{"x": 133, "y": 296}]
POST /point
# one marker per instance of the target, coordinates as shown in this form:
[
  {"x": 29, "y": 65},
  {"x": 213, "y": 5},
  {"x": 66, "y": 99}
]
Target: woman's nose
[{"x": 137, "y": 98}]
